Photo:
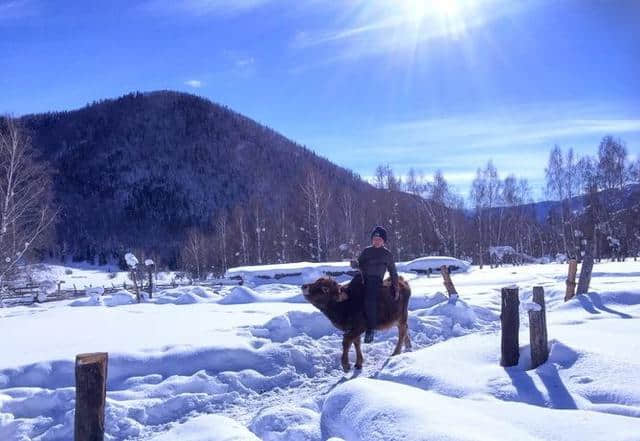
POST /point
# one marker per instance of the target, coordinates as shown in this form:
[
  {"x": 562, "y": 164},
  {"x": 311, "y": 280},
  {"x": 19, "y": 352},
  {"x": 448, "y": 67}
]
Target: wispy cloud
[
  {"x": 477, "y": 132},
  {"x": 517, "y": 139},
  {"x": 305, "y": 39},
  {"x": 15, "y": 9},
  {"x": 196, "y": 84},
  {"x": 241, "y": 64},
  {"x": 202, "y": 7}
]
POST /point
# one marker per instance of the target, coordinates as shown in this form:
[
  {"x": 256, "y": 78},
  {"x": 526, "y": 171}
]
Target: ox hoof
[
  {"x": 358, "y": 367},
  {"x": 346, "y": 367}
]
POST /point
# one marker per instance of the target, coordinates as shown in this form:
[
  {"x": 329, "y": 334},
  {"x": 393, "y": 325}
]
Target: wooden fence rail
[{"x": 29, "y": 294}]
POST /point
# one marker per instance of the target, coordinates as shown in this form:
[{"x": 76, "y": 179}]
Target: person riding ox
[{"x": 374, "y": 262}]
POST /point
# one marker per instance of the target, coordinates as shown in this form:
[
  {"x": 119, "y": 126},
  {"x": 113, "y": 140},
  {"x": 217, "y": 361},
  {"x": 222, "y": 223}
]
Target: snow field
[
  {"x": 368, "y": 409},
  {"x": 271, "y": 364}
]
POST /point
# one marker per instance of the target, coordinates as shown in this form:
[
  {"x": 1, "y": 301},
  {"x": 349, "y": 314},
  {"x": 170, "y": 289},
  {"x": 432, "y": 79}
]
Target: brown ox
[{"x": 344, "y": 306}]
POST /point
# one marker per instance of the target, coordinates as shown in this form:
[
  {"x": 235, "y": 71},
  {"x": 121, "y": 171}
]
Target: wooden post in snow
[
  {"x": 135, "y": 284},
  {"x": 91, "y": 390},
  {"x": 571, "y": 280},
  {"x": 538, "y": 329},
  {"x": 585, "y": 270},
  {"x": 150, "y": 274},
  {"x": 448, "y": 284},
  {"x": 510, "y": 321}
]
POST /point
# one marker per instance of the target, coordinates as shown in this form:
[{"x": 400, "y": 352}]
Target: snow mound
[
  {"x": 433, "y": 263},
  {"x": 459, "y": 312},
  {"x": 91, "y": 301},
  {"x": 241, "y": 294},
  {"x": 444, "y": 320},
  {"x": 295, "y": 323},
  {"x": 118, "y": 298},
  {"x": 186, "y": 295},
  {"x": 286, "y": 423},
  {"x": 208, "y": 428},
  {"x": 572, "y": 378},
  {"x": 381, "y": 410},
  {"x": 426, "y": 301},
  {"x": 278, "y": 289}
]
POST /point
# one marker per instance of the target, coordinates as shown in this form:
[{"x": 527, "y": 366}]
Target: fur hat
[{"x": 379, "y": 232}]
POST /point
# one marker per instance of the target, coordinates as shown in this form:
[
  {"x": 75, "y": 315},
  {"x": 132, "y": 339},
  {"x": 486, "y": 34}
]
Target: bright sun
[
  {"x": 445, "y": 17},
  {"x": 419, "y": 9}
]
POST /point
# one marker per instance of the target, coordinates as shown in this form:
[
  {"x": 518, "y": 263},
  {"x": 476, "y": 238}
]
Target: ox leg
[
  {"x": 402, "y": 335},
  {"x": 359, "y": 358},
  {"x": 346, "y": 345}
]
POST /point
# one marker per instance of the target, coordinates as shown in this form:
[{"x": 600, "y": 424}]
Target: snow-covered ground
[
  {"x": 260, "y": 363},
  {"x": 83, "y": 275}
]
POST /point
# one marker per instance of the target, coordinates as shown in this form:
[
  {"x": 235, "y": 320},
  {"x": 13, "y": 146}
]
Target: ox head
[{"x": 324, "y": 291}]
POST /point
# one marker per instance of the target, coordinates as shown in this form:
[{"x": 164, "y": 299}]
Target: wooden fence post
[
  {"x": 585, "y": 270},
  {"x": 538, "y": 329},
  {"x": 150, "y": 281},
  {"x": 135, "y": 284},
  {"x": 571, "y": 280},
  {"x": 448, "y": 283},
  {"x": 91, "y": 390},
  {"x": 510, "y": 321}
]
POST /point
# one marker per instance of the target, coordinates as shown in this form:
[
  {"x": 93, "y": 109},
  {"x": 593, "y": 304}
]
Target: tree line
[{"x": 595, "y": 203}]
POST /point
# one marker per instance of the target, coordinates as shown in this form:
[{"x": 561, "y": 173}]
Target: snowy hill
[{"x": 264, "y": 364}]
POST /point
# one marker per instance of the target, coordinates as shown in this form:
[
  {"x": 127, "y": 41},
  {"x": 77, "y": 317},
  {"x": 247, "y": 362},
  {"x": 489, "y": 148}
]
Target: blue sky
[{"x": 441, "y": 84}]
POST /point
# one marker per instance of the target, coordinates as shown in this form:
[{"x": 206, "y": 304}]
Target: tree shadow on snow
[
  {"x": 557, "y": 395},
  {"x": 592, "y": 303},
  {"x": 605, "y": 274}
]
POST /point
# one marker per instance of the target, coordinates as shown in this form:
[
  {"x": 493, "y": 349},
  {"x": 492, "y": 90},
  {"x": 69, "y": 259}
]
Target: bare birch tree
[
  {"x": 221, "y": 228},
  {"x": 317, "y": 196},
  {"x": 193, "y": 254},
  {"x": 25, "y": 194}
]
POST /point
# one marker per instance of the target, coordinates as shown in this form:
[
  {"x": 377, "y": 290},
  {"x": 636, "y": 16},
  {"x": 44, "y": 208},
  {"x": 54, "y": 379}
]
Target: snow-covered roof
[
  {"x": 278, "y": 271},
  {"x": 433, "y": 263}
]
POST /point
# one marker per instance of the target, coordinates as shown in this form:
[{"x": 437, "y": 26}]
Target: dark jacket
[{"x": 375, "y": 261}]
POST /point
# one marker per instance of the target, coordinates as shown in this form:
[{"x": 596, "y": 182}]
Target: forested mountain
[{"x": 140, "y": 171}]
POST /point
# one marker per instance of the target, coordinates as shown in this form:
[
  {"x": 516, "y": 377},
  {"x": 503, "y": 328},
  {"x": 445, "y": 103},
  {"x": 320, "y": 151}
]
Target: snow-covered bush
[{"x": 131, "y": 260}]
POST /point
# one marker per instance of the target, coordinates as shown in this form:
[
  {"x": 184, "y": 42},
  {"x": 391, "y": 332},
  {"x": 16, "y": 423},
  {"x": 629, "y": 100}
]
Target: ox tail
[{"x": 405, "y": 304}]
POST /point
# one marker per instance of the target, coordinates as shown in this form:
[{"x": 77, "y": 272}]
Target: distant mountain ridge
[{"x": 612, "y": 199}]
